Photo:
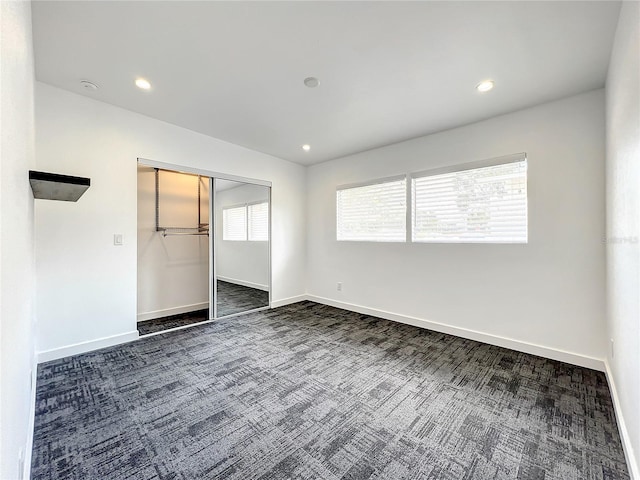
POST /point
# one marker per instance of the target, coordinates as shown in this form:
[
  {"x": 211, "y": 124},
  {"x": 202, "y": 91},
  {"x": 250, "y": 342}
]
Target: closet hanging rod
[
  {"x": 169, "y": 234},
  {"x": 201, "y": 228}
]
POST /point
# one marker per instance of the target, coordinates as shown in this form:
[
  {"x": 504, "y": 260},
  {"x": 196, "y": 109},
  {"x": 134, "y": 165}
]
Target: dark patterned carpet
[
  {"x": 232, "y": 299},
  {"x": 165, "y": 323},
  {"x": 312, "y": 392}
]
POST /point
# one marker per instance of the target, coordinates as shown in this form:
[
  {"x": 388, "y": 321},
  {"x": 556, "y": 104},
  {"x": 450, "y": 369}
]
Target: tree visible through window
[
  {"x": 484, "y": 205},
  {"x": 374, "y": 212}
]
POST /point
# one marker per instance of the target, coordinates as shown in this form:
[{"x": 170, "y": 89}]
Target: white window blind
[
  {"x": 478, "y": 205},
  {"x": 374, "y": 212},
  {"x": 258, "y": 222},
  {"x": 234, "y": 223}
]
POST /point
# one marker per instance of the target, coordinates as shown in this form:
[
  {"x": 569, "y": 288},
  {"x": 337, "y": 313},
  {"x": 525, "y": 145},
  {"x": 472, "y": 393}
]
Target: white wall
[
  {"x": 17, "y": 279},
  {"x": 623, "y": 224},
  {"x": 246, "y": 263},
  {"x": 173, "y": 271},
  {"x": 87, "y": 286},
  {"x": 549, "y": 292}
]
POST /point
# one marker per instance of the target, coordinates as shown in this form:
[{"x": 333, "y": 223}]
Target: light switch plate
[{"x": 118, "y": 239}]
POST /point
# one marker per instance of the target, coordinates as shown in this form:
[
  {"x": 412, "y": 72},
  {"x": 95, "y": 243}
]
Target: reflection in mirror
[{"x": 242, "y": 247}]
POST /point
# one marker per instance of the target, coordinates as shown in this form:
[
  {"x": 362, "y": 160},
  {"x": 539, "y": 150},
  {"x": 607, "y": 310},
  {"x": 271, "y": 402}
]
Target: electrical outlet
[
  {"x": 339, "y": 286},
  {"x": 611, "y": 347}
]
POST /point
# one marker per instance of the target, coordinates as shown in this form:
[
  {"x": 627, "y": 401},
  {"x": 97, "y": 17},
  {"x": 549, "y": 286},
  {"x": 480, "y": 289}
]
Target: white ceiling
[{"x": 389, "y": 71}]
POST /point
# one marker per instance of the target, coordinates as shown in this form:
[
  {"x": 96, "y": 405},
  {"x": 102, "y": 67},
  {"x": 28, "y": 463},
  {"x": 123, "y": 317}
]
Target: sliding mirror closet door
[
  {"x": 242, "y": 258},
  {"x": 173, "y": 249}
]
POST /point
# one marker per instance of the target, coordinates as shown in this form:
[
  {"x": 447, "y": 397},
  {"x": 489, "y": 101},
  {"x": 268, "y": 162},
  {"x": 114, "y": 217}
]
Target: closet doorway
[{"x": 203, "y": 246}]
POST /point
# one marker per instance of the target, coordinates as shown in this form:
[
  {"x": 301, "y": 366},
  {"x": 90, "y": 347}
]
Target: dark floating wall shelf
[{"x": 52, "y": 186}]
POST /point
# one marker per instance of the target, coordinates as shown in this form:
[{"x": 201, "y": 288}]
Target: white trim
[
  {"x": 244, "y": 283},
  {"x": 87, "y": 346},
  {"x": 28, "y": 451},
  {"x": 213, "y": 248},
  {"x": 408, "y": 226},
  {"x": 270, "y": 246},
  {"x": 143, "y": 317},
  {"x": 289, "y": 300},
  {"x": 518, "y": 345},
  {"x": 632, "y": 464}
]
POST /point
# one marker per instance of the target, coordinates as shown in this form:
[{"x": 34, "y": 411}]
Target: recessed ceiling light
[
  {"x": 87, "y": 85},
  {"x": 485, "y": 86},
  {"x": 311, "y": 82},
  {"x": 306, "y": 148},
  {"x": 143, "y": 83}
]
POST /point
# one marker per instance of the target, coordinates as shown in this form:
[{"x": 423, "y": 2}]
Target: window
[
  {"x": 482, "y": 202},
  {"x": 258, "y": 222},
  {"x": 375, "y": 212},
  {"x": 246, "y": 222},
  {"x": 485, "y": 204},
  {"x": 234, "y": 223}
]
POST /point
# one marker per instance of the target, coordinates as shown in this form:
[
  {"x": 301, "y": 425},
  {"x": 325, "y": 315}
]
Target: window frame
[{"x": 377, "y": 181}]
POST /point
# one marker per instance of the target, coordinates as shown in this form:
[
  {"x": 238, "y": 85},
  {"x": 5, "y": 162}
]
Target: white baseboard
[
  {"x": 88, "y": 346},
  {"x": 632, "y": 464},
  {"x": 289, "y": 301},
  {"x": 28, "y": 451},
  {"x": 518, "y": 345},
  {"x": 244, "y": 283},
  {"x": 142, "y": 317}
]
